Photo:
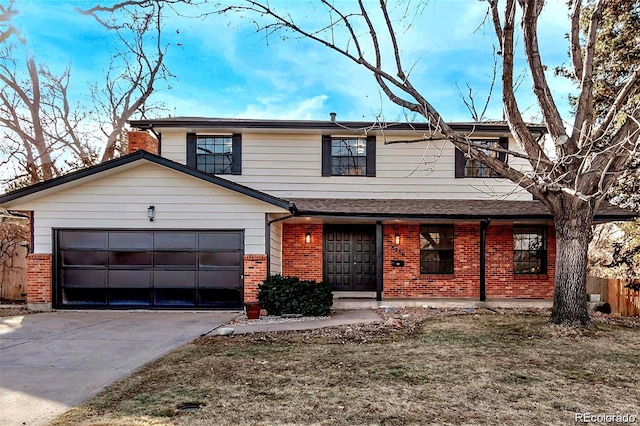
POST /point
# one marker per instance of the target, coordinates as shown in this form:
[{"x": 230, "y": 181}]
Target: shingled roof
[{"x": 440, "y": 209}]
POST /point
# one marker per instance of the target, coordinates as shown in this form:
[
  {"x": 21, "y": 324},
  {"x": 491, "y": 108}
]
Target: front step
[{"x": 354, "y": 295}]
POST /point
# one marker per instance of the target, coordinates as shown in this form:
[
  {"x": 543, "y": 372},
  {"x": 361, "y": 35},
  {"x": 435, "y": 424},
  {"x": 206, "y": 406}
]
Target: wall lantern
[
  {"x": 397, "y": 239},
  {"x": 307, "y": 238},
  {"x": 151, "y": 213}
]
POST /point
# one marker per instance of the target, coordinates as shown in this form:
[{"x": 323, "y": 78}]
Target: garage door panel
[
  {"x": 218, "y": 259},
  {"x": 175, "y": 297},
  {"x": 220, "y": 241},
  {"x": 84, "y": 296},
  {"x": 84, "y": 278},
  {"x": 220, "y": 297},
  {"x": 129, "y": 279},
  {"x": 175, "y": 258},
  {"x": 130, "y": 240},
  {"x": 219, "y": 279},
  {"x": 83, "y": 239},
  {"x": 129, "y": 258},
  {"x": 174, "y": 279},
  {"x": 175, "y": 240},
  {"x": 130, "y": 296},
  {"x": 84, "y": 258}
]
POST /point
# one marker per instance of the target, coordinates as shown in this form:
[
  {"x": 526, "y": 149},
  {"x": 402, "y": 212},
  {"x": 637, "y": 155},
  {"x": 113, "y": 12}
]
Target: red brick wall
[
  {"x": 500, "y": 279},
  {"x": 407, "y": 282},
  {"x": 305, "y": 260},
  {"x": 142, "y": 141},
  {"x": 255, "y": 272},
  {"x": 39, "y": 284},
  {"x": 299, "y": 258},
  {"x": 501, "y": 282}
]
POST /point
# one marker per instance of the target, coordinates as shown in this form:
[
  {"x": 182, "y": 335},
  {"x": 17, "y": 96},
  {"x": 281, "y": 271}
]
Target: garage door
[{"x": 159, "y": 269}]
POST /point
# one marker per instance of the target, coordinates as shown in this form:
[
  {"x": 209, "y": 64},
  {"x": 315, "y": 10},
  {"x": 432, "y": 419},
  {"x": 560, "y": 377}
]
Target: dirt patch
[
  {"x": 429, "y": 366},
  {"x": 12, "y": 308}
]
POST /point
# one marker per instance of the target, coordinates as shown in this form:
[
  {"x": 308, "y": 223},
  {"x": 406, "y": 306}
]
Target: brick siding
[
  {"x": 255, "y": 272},
  {"x": 500, "y": 278},
  {"x": 143, "y": 141},
  {"x": 39, "y": 284},
  {"x": 299, "y": 258},
  {"x": 305, "y": 261}
]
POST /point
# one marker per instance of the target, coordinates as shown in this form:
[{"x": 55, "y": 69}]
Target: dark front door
[{"x": 350, "y": 257}]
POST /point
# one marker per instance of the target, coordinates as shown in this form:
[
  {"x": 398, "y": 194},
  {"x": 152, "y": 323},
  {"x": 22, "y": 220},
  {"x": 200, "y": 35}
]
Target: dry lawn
[{"x": 439, "y": 367}]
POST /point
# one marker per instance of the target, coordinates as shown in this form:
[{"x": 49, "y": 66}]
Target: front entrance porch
[{"x": 403, "y": 261}]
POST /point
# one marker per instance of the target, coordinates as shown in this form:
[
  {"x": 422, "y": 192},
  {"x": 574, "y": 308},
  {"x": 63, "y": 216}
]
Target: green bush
[{"x": 291, "y": 295}]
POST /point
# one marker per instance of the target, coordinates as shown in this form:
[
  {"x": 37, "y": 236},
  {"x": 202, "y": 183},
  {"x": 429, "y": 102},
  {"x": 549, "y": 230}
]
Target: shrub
[{"x": 290, "y": 295}]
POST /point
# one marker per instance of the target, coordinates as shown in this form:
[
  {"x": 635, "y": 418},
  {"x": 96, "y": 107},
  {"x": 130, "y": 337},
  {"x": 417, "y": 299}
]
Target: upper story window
[
  {"x": 466, "y": 167},
  {"x": 530, "y": 249},
  {"x": 436, "y": 249},
  {"x": 215, "y": 154},
  {"x": 346, "y": 156}
]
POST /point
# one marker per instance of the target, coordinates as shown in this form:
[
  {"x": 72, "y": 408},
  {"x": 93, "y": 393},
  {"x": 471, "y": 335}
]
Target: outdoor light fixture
[
  {"x": 151, "y": 213},
  {"x": 397, "y": 239},
  {"x": 307, "y": 238}
]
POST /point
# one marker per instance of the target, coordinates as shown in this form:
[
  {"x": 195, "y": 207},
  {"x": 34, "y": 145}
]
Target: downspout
[
  {"x": 267, "y": 234},
  {"x": 484, "y": 224}
]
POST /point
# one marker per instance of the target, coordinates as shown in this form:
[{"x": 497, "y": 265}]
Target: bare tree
[
  {"x": 588, "y": 158},
  {"x": 45, "y": 133}
]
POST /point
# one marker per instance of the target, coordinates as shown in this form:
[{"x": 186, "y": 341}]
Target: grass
[{"x": 444, "y": 369}]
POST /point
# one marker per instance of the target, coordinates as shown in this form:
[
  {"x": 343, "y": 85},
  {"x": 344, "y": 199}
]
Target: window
[
  {"x": 436, "y": 249},
  {"x": 215, "y": 154},
  {"x": 346, "y": 156},
  {"x": 466, "y": 167},
  {"x": 529, "y": 249}
]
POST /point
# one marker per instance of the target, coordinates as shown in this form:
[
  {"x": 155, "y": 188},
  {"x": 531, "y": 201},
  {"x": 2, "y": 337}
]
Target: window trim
[
  {"x": 452, "y": 250},
  {"x": 460, "y": 159},
  {"x": 236, "y": 151},
  {"x": 543, "y": 253},
  {"x": 326, "y": 156}
]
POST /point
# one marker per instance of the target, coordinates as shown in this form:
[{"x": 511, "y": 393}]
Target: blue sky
[{"x": 225, "y": 69}]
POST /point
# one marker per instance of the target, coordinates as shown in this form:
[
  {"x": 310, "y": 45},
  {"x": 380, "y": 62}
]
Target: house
[{"x": 202, "y": 210}]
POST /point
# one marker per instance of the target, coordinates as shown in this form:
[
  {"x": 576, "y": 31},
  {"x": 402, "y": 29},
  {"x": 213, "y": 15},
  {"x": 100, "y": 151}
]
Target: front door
[{"x": 350, "y": 257}]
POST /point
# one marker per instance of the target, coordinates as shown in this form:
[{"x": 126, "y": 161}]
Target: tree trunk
[{"x": 573, "y": 234}]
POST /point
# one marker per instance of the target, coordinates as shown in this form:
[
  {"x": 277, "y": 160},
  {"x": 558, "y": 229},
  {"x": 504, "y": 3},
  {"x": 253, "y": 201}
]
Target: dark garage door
[{"x": 159, "y": 269}]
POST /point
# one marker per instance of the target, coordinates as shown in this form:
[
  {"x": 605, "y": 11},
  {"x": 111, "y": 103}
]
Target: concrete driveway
[{"x": 50, "y": 362}]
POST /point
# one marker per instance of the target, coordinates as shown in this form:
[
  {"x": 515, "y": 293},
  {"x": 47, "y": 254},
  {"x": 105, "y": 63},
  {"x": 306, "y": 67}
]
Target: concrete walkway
[
  {"x": 360, "y": 316},
  {"x": 50, "y": 362}
]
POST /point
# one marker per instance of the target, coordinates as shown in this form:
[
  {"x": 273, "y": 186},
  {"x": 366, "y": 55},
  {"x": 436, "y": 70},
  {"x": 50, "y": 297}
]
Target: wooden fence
[
  {"x": 624, "y": 300},
  {"x": 13, "y": 277},
  {"x": 617, "y": 293}
]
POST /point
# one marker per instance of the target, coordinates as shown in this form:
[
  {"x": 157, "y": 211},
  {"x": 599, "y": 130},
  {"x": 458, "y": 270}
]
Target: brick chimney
[{"x": 140, "y": 140}]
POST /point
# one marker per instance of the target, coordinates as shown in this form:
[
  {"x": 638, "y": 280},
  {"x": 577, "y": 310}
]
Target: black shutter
[
  {"x": 460, "y": 163},
  {"x": 326, "y": 155},
  {"x": 371, "y": 156},
  {"x": 504, "y": 144},
  {"x": 236, "y": 154},
  {"x": 191, "y": 150}
]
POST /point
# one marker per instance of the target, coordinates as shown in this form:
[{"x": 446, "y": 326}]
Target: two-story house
[{"x": 202, "y": 210}]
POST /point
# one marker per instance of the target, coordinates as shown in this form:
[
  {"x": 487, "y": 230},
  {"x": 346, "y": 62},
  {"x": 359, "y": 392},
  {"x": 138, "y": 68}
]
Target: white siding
[
  {"x": 290, "y": 165},
  {"x": 121, "y": 201},
  {"x": 276, "y": 248}
]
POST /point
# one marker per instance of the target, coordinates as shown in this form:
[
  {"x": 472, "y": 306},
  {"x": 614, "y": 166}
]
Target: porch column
[{"x": 484, "y": 224}]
